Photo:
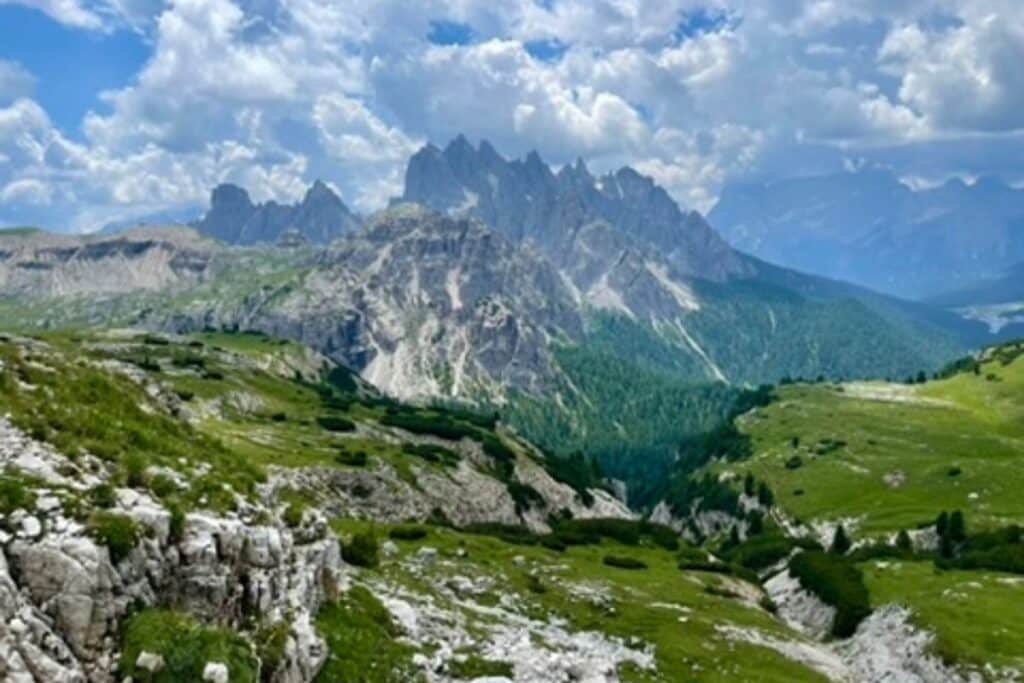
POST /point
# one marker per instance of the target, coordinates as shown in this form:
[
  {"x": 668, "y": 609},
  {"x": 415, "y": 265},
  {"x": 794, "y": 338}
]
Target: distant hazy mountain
[
  {"x": 233, "y": 218},
  {"x": 870, "y": 229},
  {"x": 159, "y": 219},
  {"x": 997, "y": 302}
]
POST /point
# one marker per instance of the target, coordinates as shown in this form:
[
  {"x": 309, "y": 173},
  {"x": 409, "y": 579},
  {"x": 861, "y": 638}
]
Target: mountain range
[{"x": 871, "y": 229}]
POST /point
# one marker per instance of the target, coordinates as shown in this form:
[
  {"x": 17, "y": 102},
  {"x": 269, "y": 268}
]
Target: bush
[
  {"x": 794, "y": 462},
  {"x": 15, "y": 494},
  {"x": 509, "y": 533},
  {"x": 422, "y": 423},
  {"x": 496, "y": 448},
  {"x": 352, "y": 459},
  {"x": 432, "y": 453},
  {"x": 103, "y": 496},
  {"x": 362, "y": 550},
  {"x": 623, "y": 562},
  {"x": 343, "y": 379},
  {"x": 292, "y": 515},
  {"x": 524, "y": 495},
  {"x": 407, "y": 533},
  {"x": 119, "y": 533},
  {"x": 176, "y": 526},
  {"x": 336, "y": 423},
  {"x": 474, "y": 667},
  {"x": 186, "y": 646},
  {"x": 837, "y": 582},
  {"x": 761, "y": 552},
  {"x": 954, "y": 472}
]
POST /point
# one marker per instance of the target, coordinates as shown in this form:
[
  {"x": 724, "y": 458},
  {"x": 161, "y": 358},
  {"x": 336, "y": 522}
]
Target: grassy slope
[
  {"x": 970, "y": 421},
  {"x": 688, "y": 646}
]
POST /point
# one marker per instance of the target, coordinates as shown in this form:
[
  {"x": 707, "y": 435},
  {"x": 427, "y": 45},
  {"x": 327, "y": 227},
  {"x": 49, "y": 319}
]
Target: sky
[{"x": 112, "y": 110}]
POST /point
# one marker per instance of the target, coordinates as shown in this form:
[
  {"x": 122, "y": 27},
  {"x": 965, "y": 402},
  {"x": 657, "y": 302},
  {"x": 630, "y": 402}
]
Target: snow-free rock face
[
  {"x": 423, "y": 305},
  {"x": 233, "y": 218},
  {"x": 41, "y": 264},
  {"x": 526, "y": 201},
  {"x": 62, "y": 599}
]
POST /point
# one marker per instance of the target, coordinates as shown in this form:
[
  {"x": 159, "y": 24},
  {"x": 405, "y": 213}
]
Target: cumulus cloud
[{"x": 273, "y": 94}]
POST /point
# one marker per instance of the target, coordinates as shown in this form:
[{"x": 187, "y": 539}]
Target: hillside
[
  {"x": 237, "y": 506},
  {"x": 886, "y": 461}
]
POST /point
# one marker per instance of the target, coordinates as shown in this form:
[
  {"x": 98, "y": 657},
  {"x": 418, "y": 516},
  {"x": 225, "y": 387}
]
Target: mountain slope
[{"x": 870, "y": 229}]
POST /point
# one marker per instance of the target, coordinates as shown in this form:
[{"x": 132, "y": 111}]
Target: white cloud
[
  {"x": 70, "y": 12},
  {"x": 272, "y": 94}
]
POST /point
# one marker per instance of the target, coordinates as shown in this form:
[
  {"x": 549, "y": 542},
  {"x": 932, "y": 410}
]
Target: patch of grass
[
  {"x": 473, "y": 667},
  {"x": 362, "y": 642},
  {"x": 186, "y": 646},
  {"x": 118, "y": 532},
  {"x": 15, "y": 493}
]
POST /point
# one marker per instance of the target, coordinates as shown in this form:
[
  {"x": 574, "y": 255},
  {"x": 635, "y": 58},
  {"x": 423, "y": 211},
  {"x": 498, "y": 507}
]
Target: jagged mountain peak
[
  {"x": 233, "y": 218},
  {"x": 528, "y": 202}
]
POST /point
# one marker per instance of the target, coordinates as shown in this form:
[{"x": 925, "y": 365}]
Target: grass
[
  {"x": 975, "y": 615},
  {"x": 893, "y": 469},
  {"x": 362, "y": 641},
  {"x": 661, "y": 605},
  {"x": 186, "y": 646}
]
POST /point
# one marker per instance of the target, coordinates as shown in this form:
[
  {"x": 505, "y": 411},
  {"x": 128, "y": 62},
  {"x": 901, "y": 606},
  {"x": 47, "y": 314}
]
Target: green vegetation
[
  {"x": 362, "y": 641},
  {"x": 893, "y": 455},
  {"x": 473, "y": 667},
  {"x": 15, "y": 493},
  {"x": 186, "y": 646},
  {"x": 623, "y": 562},
  {"x": 837, "y": 582},
  {"x": 408, "y": 533},
  {"x": 119, "y": 533},
  {"x": 362, "y": 550}
]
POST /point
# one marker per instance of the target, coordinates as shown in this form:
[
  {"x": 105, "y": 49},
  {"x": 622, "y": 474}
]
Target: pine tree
[
  {"x": 840, "y": 543},
  {"x": 764, "y": 495},
  {"x": 749, "y": 486},
  {"x": 756, "y": 524},
  {"x": 942, "y": 524},
  {"x": 734, "y": 537},
  {"x": 903, "y": 542},
  {"x": 957, "y": 527}
]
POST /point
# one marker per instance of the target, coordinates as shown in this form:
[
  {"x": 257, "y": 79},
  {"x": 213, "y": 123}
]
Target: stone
[
  {"x": 427, "y": 556},
  {"x": 30, "y": 527},
  {"x": 215, "y": 672},
  {"x": 47, "y": 503},
  {"x": 150, "y": 662},
  {"x": 389, "y": 548}
]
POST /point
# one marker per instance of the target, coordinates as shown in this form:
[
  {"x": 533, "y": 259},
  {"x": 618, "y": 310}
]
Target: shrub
[
  {"x": 185, "y": 395},
  {"x": 524, "y": 495},
  {"x": 903, "y": 542},
  {"x": 422, "y": 423},
  {"x": 474, "y": 667},
  {"x": 279, "y": 417},
  {"x": 623, "y": 562},
  {"x": 103, "y": 496},
  {"x": 407, "y": 533},
  {"x": 336, "y": 423},
  {"x": 432, "y": 453},
  {"x": 352, "y": 458},
  {"x": 342, "y": 378},
  {"x": 764, "y": 495},
  {"x": 760, "y": 552},
  {"x": 496, "y": 448},
  {"x": 794, "y": 462},
  {"x": 954, "y": 471},
  {"x": 162, "y": 486},
  {"x": 14, "y": 494},
  {"x": 509, "y": 533},
  {"x": 837, "y": 582},
  {"x": 119, "y": 533},
  {"x": 362, "y": 550},
  {"x": 271, "y": 643},
  {"x": 292, "y": 515},
  {"x": 186, "y": 646},
  {"x": 176, "y": 526}
]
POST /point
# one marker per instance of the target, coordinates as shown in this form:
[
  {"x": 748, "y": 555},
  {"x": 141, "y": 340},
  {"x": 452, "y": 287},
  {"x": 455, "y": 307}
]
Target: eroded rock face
[{"x": 62, "y": 599}]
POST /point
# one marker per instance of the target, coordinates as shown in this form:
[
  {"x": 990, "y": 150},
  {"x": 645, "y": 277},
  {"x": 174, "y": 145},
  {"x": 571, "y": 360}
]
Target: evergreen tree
[
  {"x": 734, "y": 537},
  {"x": 942, "y": 524},
  {"x": 756, "y": 524},
  {"x": 903, "y": 542},
  {"x": 840, "y": 543},
  {"x": 957, "y": 527},
  {"x": 764, "y": 495},
  {"x": 749, "y": 485}
]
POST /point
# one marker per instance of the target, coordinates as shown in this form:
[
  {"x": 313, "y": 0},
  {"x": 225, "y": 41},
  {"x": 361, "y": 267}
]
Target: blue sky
[{"x": 113, "y": 109}]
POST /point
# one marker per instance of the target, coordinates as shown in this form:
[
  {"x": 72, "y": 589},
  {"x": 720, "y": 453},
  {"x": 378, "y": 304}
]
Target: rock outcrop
[{"x": 233, "y": 218}]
